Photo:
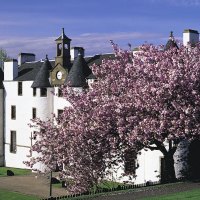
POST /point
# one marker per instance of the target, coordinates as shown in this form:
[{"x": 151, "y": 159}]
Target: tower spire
[{"x": 63, "y": 33}]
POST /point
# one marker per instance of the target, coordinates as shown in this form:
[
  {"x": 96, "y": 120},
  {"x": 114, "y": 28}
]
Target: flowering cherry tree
[{"x": 149, "y": 99}]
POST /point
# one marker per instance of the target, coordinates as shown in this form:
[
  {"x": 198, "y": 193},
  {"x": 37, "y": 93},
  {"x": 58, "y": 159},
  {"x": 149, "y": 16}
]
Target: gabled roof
[
  {"x": 42, "y": 77},
  {"x": 171, "y": 43},
  {"x": 78, "y": 73}
]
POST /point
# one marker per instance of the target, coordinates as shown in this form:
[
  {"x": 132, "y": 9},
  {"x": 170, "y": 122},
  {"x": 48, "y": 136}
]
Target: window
[
  {"x": 34, "y": 92},
  {"x": 60, "y": 112},
  {"x": 20, "y": 88},
  {"x": 129, "y": 162},
  {"x": 13, "y": 112},
  {"x": 13, "y": 145},
  {"x": 33, "y": 113},
  {"x": 59, "y": 92},
  {"x": 34, "y": 135},
  {"x": 43, "y": 92}
]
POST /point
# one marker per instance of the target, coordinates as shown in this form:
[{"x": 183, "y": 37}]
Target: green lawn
[
  {"x": 16, "y": 171},
  {"x": 191, "y": 194},
  {"x": 7, "y": 195}
]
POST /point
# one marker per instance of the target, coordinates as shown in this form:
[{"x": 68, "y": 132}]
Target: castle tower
[
  {"x": 63, "y": 51},
  {"x": 62, "y": 60},
  {"x": 78, "y": 73}
]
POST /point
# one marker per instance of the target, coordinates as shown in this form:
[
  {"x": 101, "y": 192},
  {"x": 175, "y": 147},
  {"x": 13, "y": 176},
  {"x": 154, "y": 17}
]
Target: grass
[
  {"x": 191, "y": 194},
  {"x": 4, "y": 194},
  {"x": 17, "y": 172}
]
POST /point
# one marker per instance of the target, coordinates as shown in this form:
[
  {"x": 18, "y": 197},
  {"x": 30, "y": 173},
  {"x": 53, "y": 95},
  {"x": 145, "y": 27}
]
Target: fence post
[{"x": 50, "y": 189}]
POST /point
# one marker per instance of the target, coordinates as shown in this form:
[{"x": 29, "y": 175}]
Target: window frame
[
  {"x": 60, "y": 93},
  {"x": 20, "y": 88},
  {"x": 42, "y": 93},
  {"x": 59, "y": 112},
  {"x": 13, "y": 141},
  {"x": 34, "y": 92},
  {"x": 13, "y": 112},
  {"x": 34, "y": 113},
  {"x": 130, "y": 165}
]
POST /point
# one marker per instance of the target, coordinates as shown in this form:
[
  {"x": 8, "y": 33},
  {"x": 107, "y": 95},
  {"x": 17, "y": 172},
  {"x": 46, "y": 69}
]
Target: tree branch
[{"x": 160, "y": 147}]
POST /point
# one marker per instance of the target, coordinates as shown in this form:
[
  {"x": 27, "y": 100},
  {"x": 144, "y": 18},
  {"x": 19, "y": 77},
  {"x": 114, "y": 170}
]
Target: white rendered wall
[
  {"x": 24, "y": 105},
  {"x": 148, "y": 170},
  {"x": 59, "y": 102},
  {"x": 1, "y": 127}
]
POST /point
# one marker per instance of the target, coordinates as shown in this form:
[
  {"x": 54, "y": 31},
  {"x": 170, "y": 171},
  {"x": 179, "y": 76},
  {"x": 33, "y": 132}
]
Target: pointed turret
[
  {"x": 78, "y": 73},
  {"x": 171, "y": 43},
  {"x": 42, "y": 78}
]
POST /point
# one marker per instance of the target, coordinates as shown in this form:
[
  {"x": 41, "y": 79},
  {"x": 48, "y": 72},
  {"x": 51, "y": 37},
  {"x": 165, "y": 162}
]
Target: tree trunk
[{"x": 167, "y": 168}]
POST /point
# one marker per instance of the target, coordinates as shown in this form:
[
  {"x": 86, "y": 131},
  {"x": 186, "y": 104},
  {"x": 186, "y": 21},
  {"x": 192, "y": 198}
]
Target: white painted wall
[
  {"x": 148, "y": 170},
  {"x": 24, "y": 105},
  {"x": 59, "y": 102}
]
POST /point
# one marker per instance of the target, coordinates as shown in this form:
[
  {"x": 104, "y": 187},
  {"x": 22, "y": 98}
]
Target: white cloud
[
  {"x": 99, "y": 42},
  {"x": 39, "y": 46},
  {"x": 93, "y": 43},
  {"x": 180, "y": 2}
]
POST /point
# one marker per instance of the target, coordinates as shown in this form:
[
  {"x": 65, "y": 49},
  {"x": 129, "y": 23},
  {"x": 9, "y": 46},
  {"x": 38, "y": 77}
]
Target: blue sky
[{"x": 32, "y": 26}]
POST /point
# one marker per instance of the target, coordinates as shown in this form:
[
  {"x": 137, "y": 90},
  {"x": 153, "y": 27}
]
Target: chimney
[
  {"x": 190, "y": 36},
  {"x": 25, "y": 57},
  {"x": 10, "y": 70},
  {"x": 75, "y": 51}
]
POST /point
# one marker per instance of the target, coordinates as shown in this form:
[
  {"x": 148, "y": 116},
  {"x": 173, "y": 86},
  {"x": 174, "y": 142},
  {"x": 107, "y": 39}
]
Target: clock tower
[{"x": 62, "y": 60}]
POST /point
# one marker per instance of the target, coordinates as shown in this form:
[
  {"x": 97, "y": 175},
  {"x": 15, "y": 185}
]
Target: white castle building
[{"x": 27, "y": 89}]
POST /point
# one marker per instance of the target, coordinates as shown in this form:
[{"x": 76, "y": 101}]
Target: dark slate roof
[
  {"x": 42, "y": 77},
  {"x": 28, "y": 54},
  {"x": 91, "y": 76},
  {"x": 190, "y": 31},
  {"x": 28, "y": 71},
  {"x": 97, "y": 59},
  {"x": 78, "y": 73},
  {"x": 1, "y": 78},
  {"x": 171, "y": 43}
]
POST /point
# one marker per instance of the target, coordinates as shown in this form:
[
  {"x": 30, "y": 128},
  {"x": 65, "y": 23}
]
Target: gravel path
[{"x": 32, "y": 185}]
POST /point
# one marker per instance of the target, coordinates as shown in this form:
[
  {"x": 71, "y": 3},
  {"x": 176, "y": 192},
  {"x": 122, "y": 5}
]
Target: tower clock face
[{"x": 59, "y": 75}]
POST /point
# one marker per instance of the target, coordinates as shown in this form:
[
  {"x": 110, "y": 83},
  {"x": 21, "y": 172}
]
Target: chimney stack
[
  {"x": 25, "y": 57},
  {"x": 10, "y": 70},
  {"x": 190, "y": 36},
  {"x": 75, "y": 51}
]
